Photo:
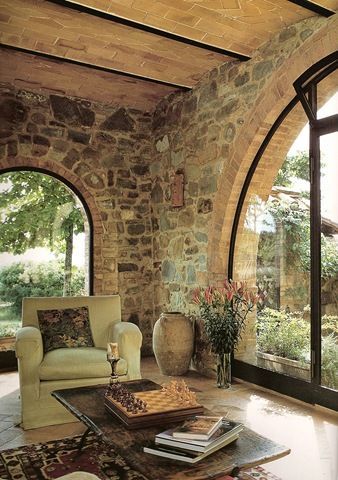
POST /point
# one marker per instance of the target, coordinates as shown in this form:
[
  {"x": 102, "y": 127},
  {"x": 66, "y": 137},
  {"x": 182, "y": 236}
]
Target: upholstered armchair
[{"x": 40, "y": 373}]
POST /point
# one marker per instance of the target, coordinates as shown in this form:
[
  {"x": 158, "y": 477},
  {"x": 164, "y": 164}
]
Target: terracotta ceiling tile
[
  {"x": 161, "y": 23},
  {"x": 19, "y": 23},
  {"x": 50, "y": 49},
  {"x": 4, "y": 18},
  {"x": 211, "y": 27},
  {"x": 45, "y": 21},
  {"x": 176, "y": 4},
  {"x": 62, "y": 42},
  {"x": 211, "y": 4},
  {"x": 201, "y": 11},
  {"x": 39, "y": 28},
  {"x": 99, "y": 4},
  {"x": 42, "y": 7},
  {"x": 189, "y": 32},
  {"x": 11, "y": 28},
  {"x": 241, "y": 26},
  {"x": 28, "y": 43},
  {"x": 192, "y": 68},
  {"x": 39, "y": 36},
  {"x": 97, "y": 42},
  {"x": 331, "y": 4},
  {"x": 149, "y": 6},
  {"x": 182, "y": 17},
  {"x": 153, "y": 66},
  {"x": 15, "y": 10},
  {"x": 229, "y": 43},
  {"x": 126, "y": 3},
  {"x": 124, "y": 12},
  {"x": 230, "y": 4}
]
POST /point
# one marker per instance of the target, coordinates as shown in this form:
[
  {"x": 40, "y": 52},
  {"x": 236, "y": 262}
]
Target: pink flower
[
  {"x": 208, "y": 294},
  {"x": 197, "y": 296},
  {"x": 229, "y": 295}
]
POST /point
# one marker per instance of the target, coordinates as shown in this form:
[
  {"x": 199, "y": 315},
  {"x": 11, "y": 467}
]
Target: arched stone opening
[
  {"x": 275, "y": 95},
  {"x": 93, "y": 223}
]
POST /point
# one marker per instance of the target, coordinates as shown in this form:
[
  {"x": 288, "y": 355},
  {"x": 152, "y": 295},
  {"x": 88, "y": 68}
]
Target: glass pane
[
  {"x": 329, "y": 259},
  {"x": 44, "y": 239},
  {"x": 325, "y": 89},
  {"x": 273, "y": 253}
]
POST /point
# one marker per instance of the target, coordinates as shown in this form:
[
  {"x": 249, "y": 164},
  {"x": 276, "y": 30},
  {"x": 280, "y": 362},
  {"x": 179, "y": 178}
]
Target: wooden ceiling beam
[
  {"x": 49, "y": 56},
  {"x": 313, "y": 7},
  {"x": 149, "y": 29}
]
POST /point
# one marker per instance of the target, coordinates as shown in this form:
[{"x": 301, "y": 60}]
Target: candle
[{"x": 112, "y": 350}]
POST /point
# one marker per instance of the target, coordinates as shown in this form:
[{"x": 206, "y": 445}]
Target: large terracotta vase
[{"x": 173, "y": 343}]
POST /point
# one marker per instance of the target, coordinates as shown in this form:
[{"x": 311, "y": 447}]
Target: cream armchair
[{"x": 71, "y": 367}]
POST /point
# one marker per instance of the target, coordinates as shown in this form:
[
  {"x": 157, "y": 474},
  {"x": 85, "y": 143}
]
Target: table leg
[{"x": 82, "y": 442}]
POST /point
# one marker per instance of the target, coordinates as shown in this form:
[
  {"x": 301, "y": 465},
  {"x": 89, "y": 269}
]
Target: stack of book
[{"x": 197, "y": 438}]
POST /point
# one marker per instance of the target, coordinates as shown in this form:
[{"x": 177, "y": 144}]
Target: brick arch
[
  {"x": 74, "y": 182},
  {"x": 274, "y": 97}
]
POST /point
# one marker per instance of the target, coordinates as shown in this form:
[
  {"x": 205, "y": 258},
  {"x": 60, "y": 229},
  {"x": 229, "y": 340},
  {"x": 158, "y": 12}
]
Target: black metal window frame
[
  {"x": 311, "y": 392},
  {"x": 84, "y": 204}
]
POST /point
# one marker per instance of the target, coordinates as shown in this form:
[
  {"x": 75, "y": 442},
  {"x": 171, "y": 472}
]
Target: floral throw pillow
[{"x": 66, "y": 328}]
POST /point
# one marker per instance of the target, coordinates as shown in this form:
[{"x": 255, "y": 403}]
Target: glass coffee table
[{"x": 87, "y": 405}]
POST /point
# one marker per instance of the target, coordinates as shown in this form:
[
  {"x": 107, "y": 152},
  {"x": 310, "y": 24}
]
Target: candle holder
[{"x": 114, "y": 377}]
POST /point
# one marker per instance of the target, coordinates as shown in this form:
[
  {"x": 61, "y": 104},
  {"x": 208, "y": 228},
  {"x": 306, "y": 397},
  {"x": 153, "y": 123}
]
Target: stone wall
[
  {"x": 105, "y": 154},
  {"x": 123, "y": 163},
  {"x": 212, "y": 135}
]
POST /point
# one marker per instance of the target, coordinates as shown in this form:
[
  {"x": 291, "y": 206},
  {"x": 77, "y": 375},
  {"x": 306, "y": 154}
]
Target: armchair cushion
[
  {"x": 77, "y": 363},
  {"x": 67, "y": 328}
]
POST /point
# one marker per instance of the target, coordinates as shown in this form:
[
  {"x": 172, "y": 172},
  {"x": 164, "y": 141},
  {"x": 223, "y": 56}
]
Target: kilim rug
[{"x": 50, "y": 460}]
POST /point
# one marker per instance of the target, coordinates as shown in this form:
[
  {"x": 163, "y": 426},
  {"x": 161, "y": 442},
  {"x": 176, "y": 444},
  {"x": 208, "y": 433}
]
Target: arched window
[
  {"x": 285, "y": 241},
  {"x": 45, "y": 239}
]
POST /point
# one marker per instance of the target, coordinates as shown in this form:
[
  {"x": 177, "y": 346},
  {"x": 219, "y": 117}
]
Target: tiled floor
[{"x": 311, "y": 433}]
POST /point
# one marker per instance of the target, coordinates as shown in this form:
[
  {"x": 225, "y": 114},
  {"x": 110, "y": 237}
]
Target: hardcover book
[
  {"x": 181, "y": 454},
  {"x": 227, "y": 429},
  {"x": 199, "y": 427}
]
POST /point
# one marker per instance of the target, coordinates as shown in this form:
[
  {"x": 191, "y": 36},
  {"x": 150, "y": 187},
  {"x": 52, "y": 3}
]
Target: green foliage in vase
[{"x": 224, "y": 311}]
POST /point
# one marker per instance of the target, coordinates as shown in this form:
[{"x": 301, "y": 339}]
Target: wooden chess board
[{"x": 161, "y": 408}]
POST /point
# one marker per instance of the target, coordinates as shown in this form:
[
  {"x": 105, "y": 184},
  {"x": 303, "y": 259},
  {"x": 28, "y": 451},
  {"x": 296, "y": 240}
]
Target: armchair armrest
[
  {"x": 129, "y": 338},
  {"x": 29, "y": 351}
]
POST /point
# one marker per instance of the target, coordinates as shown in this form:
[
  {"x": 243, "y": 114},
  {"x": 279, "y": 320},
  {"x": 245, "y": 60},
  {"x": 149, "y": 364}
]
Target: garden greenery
[
  {"x": 296, "y": 223},
  {"x": 283, "y": 334},
  {"x": 288, "y": 335},
  {"x": 20, "y": 280},
  {"x": 37, "y": 210}
]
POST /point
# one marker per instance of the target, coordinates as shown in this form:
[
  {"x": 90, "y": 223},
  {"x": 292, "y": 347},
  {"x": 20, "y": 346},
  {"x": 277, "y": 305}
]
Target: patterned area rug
[{"x": 47, "y": 461}]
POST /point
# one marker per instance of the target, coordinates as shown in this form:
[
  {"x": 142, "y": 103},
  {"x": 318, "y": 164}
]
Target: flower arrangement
[{"x": 224, "y": 311}]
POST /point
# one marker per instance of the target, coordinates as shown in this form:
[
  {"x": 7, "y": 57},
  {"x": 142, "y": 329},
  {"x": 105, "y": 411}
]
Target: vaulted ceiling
[{"x": 134, "y": 52}]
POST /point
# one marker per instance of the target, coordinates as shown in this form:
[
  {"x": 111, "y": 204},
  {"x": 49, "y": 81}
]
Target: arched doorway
[{"x": 283, "y": 244}]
